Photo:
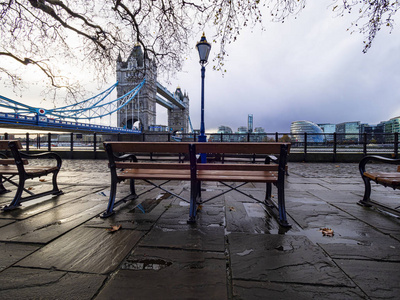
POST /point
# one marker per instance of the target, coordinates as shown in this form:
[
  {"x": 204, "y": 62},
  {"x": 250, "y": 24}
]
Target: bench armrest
[
  {"x": 377, "y": 158},
  {"x": 45, "y": 155}
]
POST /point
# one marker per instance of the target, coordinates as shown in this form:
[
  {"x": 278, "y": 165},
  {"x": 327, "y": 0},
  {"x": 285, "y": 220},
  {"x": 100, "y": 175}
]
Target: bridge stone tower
[
  {"x": 178, "y": 119},
  {"x": 129, "y": 74}
]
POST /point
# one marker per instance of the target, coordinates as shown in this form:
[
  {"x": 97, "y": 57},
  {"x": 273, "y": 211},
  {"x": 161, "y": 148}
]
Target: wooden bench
[
  {"x": 18, "y": 166},
  {"x": 269, "y": 173},
  {"x": 197, "y": 172},
  {"x": 123, "y": 164},
  {"x": 387, "y": 179}
]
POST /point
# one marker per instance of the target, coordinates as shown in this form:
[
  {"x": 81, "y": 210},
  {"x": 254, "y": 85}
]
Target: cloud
[{"x": 309, "y": 68}]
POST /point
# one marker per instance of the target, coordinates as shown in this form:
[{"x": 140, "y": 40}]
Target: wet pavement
[{"x": 59, "y": 248}]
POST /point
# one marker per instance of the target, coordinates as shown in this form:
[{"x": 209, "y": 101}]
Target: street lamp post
[{"x": 204, "y": 50}]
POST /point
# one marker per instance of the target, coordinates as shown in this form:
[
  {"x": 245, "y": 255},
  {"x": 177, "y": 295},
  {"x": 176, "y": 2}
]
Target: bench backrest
[
  {"x": 148, "y": 147},
  {"x": 240, "y": 148},
  {"x": 4, "y": 144}
]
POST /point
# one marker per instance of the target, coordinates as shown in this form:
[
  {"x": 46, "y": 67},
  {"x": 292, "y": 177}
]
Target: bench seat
[{"x": 31, "y": 171}]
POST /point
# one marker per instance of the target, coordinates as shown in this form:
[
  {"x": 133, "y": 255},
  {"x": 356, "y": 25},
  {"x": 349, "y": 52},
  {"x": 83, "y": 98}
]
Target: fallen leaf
[
  {"x": 232, "y": 208},
  {"x": 114, "y": 228},
  {"x": 327, "y": 232},
  {"x": 199, "y": 208},
  {"x": 42, "y": 180},
  {"x": 30, "y": 188}
]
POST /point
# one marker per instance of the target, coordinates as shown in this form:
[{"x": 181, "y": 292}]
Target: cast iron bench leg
[
  {"x": 132, "y": 188},
  {"x": 17, "y": 198},
  {"x": 111, "y": 201},
  {"x": 281, "y": 206},
  {"x": 367, "y": 192}
]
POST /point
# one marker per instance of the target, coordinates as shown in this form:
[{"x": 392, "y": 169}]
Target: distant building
[
  {"x": 242, "y": 129},
  {"x": 250, "y": 123},
  {"x": 329, "y": 130},
  {"x": 224, "y": 129},
  {"x": 390, "y": 127},
  {"x": 259, "y": 130},
  {"x": 314, "y": 132},
  {"x": 348, "y": 131}
]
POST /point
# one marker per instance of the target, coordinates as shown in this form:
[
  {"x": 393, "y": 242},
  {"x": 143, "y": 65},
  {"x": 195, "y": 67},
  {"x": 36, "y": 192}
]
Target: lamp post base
[{"x": 203, "y": 156}]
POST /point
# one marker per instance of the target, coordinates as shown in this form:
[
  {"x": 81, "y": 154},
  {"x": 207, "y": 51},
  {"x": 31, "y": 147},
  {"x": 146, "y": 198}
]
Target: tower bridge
[
  {"x": 129, "y": 74},
  {"x": 138, "y": 92}
]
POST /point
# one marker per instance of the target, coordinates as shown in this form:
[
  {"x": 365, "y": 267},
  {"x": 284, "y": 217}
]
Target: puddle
[
  {"x": 245, "y": 252},
  {"x": 146, "y": 264},
  {"x": 316, "y": 236}
]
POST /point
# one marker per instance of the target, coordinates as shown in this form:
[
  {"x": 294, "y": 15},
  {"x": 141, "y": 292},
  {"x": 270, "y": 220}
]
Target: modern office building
[
  {"x": 242, "y": 129},
  {"x": 390, "y": 127},
  {"x": 250, "y": 123},
  {"x": 224, "y": 129},
  {"x": 328, "y": 129},
  {"x": 348, "y": 131},
  {"x": 314, "y": 132}
]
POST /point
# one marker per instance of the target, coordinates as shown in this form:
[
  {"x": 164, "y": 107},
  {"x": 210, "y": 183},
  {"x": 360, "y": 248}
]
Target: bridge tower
[
  {"x": 178, "y": 119},
  {"x": 129, "y": 74}
]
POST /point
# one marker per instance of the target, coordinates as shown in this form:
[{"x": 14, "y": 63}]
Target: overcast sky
[{"x": 309, "y": 68}]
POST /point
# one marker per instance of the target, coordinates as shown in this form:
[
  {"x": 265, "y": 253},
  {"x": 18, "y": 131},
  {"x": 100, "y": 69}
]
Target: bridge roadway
[
  {"x": 61, "y": 249},
  {"x": 169, "y": 96}
]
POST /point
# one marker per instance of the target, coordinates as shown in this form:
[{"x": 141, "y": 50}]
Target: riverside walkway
[{"x": 61, "y": 249}]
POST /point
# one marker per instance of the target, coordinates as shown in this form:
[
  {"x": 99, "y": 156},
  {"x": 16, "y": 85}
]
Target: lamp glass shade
[{"x": 204, "y": 49}]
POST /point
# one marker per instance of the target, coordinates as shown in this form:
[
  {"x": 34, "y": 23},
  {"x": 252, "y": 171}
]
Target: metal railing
[{"x": 305, "y": 143}]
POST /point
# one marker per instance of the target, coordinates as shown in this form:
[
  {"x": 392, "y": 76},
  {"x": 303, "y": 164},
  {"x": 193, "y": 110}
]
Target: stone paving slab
[
  {"x": 378, "y": 279},
  {"x": 36, "y": 206},
  {"x": 248, "y": 217},
  {"x": 282, "y": 258},
  {"x": 130, "y": 216},
  {"x": 44, "y": 227},
  {"x": 177, "y": 215},
  {"x": 84, "y": 249},
  {"x": 22, "y": 283},
  {"x": 4, "y": 222},
  {"x": 193, "y": 238},
  {"x": 270, "y": 290},
  {"x": 169, "y": 274},
  {"x": 11, "y": 253}
]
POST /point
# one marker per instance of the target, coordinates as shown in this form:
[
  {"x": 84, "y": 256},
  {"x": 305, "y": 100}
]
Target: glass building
[
  {"x": 314, "y": 132},
  {"x": 348, "y": 131},
  {"x": 329, "y": 130}
]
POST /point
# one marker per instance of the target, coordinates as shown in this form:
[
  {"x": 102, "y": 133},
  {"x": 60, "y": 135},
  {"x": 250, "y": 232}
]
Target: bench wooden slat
[
  {"x": 148, "y": 147},
  {"x": 238, "y": 167},
  {"x": 377, "y": 175},
  {"x": 231, "y": 176},
  {"x": 393, "y": 182},
  {"x": 35, "y": 171},
  {"x": 11, "y": 161},
  {"x": 134, "y": 165},
  {"x": 154, "y": 174},
  {"x": 242, "y": 148}
]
